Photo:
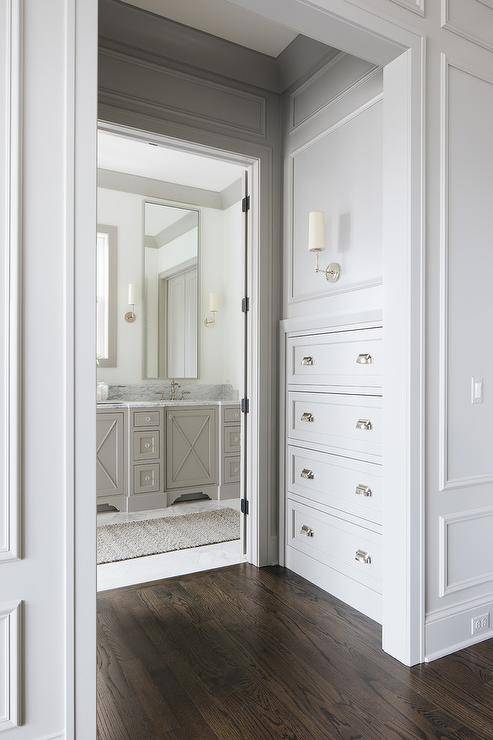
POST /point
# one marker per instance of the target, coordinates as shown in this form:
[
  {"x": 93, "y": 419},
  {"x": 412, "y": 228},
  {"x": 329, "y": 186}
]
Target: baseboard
[
  {"x": 449, "y": 630},
  {"x": 360, "y": 597},
  {"x": 168, "y": 565}
]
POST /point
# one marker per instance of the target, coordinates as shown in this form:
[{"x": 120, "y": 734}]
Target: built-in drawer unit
[
  {"x": 146, "y": 445},
  {"x": 349, "y": 358},
  {"x": 231, "y": 469},
  {"x": 146, "y": 418},
  {"x": 232, "y": 415},
  {"x": 232, "y": 439},
  {"x": 350, "y": 485},
  {"x": 350, "y": 425},
  {"x": 147, "y": 478},
  {"x": 350, "y": 549}
]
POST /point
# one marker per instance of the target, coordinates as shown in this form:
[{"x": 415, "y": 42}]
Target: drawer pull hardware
[
  {"x": 148, "y": 418},
  {"x": 363, "y": 557},
  {"x": 307, "y": 361},
  {"x": 362, "y": 490},
  {"x": 306, "y": 530},
  {"x": 364, "y": 359},
  {"x": 364, "y": 424},
  {"x": 307, "y": 416},
  {"x": 308, "y": 474}
]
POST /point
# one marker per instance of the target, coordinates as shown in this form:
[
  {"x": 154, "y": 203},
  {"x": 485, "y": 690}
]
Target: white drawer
[
  {"x": 350, "y": 358},
  {"x": 349, "y": 549},
  {"x": 347, "y": 424},
  {"x": 350, "y": 485}
]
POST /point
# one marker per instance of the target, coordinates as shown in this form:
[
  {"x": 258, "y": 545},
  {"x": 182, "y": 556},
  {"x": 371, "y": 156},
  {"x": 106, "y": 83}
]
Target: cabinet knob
[
  {"x": 364, "y": 359},
  {"x": 307, "y": 416},
  {"x": 307, "y": 531},
  {"x": 148, "y": 418},
  {"x": 362, "y": 490},
  {"x": 363, "y": 557},
  {"x": 308, "y": 474},
  {"x": 307, "y": 361},
  {"x": 364, "y": 424}
]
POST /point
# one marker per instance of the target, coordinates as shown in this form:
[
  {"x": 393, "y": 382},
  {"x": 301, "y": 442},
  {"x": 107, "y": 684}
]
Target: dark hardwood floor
[{"x": 245, "y": 653}]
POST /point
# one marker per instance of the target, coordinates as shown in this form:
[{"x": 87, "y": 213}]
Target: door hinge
[
  {"x": 245, "y": 304},
  {"x": 245, "y": 204},
  {"x": 245, "y": 405},
  {"x": 244, "y": 506}
]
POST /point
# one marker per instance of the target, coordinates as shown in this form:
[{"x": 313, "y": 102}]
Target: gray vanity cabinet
[
  {"x": 191, "y": 447},
  {"x": 110, "y": 454}
]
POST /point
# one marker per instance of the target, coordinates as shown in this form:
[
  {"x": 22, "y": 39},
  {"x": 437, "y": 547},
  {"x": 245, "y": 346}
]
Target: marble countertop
[{"x": 158, "y": 404}]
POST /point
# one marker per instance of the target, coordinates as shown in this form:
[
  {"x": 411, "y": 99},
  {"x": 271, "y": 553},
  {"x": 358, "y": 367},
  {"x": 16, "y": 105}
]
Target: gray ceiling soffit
[
  {"x": 184, "y": 224},
  {"x": 126, "y": 28}
]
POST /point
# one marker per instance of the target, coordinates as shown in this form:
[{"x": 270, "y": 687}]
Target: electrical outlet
[{"x": 480, "y": 623}]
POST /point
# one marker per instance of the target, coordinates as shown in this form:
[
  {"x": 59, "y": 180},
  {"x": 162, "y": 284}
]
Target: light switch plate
[{"x": 476, "y": 390}]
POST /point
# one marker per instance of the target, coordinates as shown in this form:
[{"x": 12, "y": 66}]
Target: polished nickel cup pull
[
  {"x": 307, "y": 416},
  {"x": 362, "y": 490},
  {"x": 306, "y": 530},
  {"x": 364, "y": 359},
  {"x": 362, "y": 557},
  {"x": 364, "y": 424},
  {"x": 308, "y": 474},
  {"x": 307, "y": 361}
]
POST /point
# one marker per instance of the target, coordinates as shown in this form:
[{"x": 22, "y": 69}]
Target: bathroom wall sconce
[
  {"x": 130, "y": 315},
  {"x": 316, "y": 243},
  {"x": 213, "y": 309}
]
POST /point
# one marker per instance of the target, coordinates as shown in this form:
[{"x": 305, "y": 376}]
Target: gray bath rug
[{"x": 152, "y": 536}]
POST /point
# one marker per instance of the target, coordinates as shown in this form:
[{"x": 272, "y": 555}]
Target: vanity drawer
[
  {"x": 231, "y": 469},
  {"x": 350, "y": 358},
  {"x": 147, "y": 478},
  {"x": 349, "y": 549},
  {"x": 146, "y": 445},
  {"x": 349, "y": 485},
  {"x": 231, "y": 439},
  {"x": 348, "y": 424},
  {"x": 146, "y": 418},
  {"x": 232, "y": 415}
]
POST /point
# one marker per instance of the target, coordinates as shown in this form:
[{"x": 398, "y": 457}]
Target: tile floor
[{"x": 188, "y": 507}]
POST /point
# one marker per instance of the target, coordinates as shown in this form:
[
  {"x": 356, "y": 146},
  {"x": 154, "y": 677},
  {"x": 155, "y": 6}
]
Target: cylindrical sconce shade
[
  {"x": 316, "y": 231},
  {"x": 213, "y": 302},
  {"x": 131, "y": 294}
]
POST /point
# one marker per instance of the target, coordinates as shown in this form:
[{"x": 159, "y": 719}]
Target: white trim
[
  {"x": 449, "y": 629},
  {"x": 169, "y": 565},
  {"x": 447, "y": 25},
  {"x": 12, "y": 664},
  {"x": 444, "y": 521},
  {"x": 445, "y": 483},
  {"x": 415, "y": 6},
  {"x": 10, "y": 290}
]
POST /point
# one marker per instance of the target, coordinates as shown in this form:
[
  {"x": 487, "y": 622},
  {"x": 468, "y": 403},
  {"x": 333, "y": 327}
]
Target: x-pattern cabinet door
[
  {"x": 110, "y": 453},
  {"x": 191, "y": 447}
]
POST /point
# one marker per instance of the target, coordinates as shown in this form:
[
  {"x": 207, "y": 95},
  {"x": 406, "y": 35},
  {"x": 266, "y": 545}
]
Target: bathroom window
[{"x": 106, "y": 298}]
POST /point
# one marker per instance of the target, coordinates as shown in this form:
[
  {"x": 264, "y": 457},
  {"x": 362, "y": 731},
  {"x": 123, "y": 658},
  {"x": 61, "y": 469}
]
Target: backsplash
[{"x": 162, "y": 391}]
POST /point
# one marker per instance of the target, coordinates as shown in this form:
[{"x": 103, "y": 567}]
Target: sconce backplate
[
  {"x": 333, "y": 272},
  {"x": 130, "y": 317}
]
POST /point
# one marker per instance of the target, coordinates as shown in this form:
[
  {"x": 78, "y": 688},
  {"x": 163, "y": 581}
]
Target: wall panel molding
[
  {"x": 415, "y": 6},
  {"x": 472, "y": 21},
  {"x": 10, "y": 168},
  {"x": 448, "y": 585},
  {"x": 10, "y": 665},
  {"x": 445, "y": 481},
  {"x": 131, "y": 83}
]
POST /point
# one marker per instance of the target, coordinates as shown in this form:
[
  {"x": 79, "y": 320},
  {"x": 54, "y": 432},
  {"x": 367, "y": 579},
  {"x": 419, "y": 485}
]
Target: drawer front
[
  {"x": 146, "y": 418},
  {"x": 146, "y": 445},
  {"x": 232, "y": 439},
  {"x": 351, "y": 358},
  {"x": 349, "y": 549},
  {"x": 349, "y": 485},
  {"x": 147, "y": 478},
  {"x": 348, "y": 424},
  {"x": 232, "y": 415},
  {"x": 231, "y": 469}
]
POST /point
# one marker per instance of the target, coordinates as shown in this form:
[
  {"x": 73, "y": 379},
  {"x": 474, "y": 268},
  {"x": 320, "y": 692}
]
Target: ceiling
[
  {"x": 159, "y": 217},
  {"x": 221, "y": 18},
  {"x": 121, "y": 154}
]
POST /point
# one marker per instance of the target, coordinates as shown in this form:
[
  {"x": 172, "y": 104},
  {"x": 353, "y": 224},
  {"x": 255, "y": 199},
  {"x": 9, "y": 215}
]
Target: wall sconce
[
  {"x": 316, "y": 243},
  {"x": 130, "y": 315},
  {"x": 213, "y": 309}
]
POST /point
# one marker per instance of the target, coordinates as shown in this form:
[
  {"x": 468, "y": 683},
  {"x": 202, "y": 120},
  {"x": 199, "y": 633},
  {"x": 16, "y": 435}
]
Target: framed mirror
[{"x": 171, "y": 282}]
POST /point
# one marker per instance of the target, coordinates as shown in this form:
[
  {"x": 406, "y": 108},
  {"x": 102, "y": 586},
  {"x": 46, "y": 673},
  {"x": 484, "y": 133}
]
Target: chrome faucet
[{"x": 174, "y": 388}]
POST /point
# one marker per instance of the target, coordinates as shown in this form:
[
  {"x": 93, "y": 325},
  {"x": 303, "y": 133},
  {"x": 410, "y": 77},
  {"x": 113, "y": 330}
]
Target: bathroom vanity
[{"x": 151, "y": 453}]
